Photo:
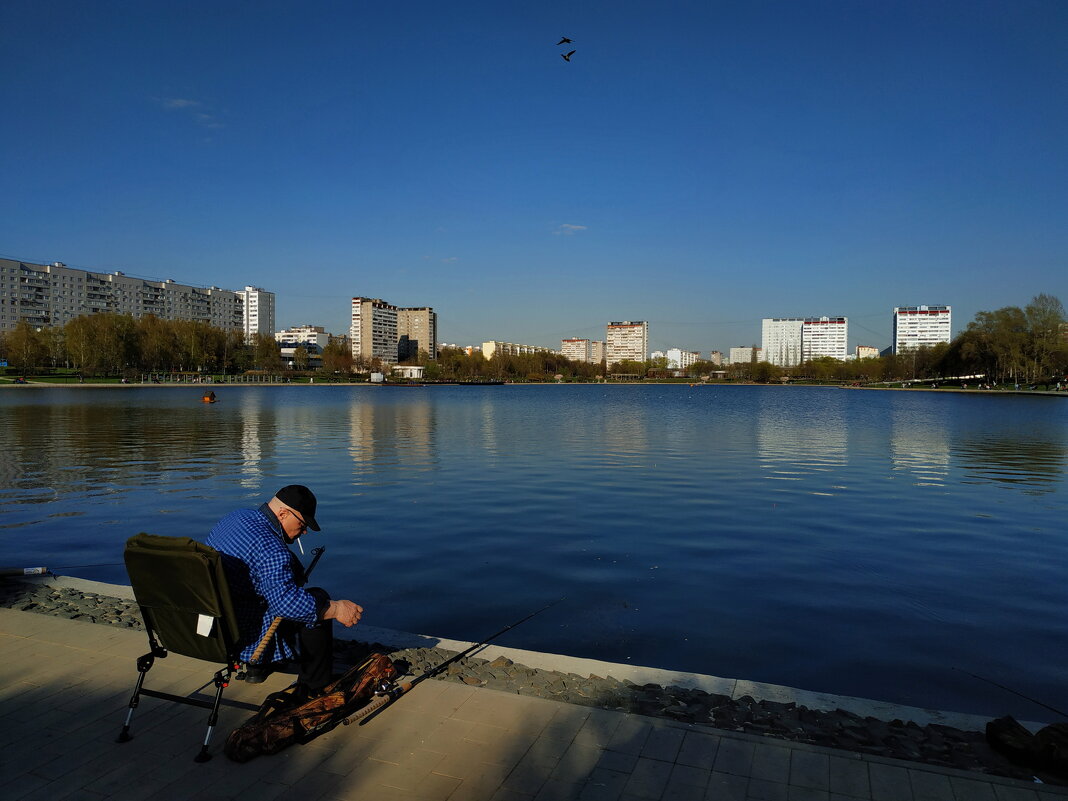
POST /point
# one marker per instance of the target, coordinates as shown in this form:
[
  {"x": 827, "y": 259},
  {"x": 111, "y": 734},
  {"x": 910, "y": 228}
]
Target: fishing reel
[{"x": 385, "y": 687}]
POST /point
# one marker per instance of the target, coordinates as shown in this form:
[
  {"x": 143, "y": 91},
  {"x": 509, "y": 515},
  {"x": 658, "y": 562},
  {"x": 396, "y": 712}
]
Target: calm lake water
[{"x": 866, "y": 543}]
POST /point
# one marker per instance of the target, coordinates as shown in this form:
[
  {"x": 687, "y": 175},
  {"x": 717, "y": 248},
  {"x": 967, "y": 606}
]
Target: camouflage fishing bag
[{"x": 279, "y": 722}]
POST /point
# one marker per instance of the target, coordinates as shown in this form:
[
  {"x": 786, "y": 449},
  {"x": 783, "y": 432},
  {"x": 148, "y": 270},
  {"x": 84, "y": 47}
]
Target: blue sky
[{"x": 700, "y": 165}]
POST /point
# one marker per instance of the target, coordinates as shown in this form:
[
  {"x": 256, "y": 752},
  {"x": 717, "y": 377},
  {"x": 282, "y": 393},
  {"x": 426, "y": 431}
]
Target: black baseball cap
[{"x": 301, "y": 499}]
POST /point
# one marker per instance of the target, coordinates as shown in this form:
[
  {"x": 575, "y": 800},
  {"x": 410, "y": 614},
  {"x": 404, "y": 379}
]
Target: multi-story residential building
[
  {"x": 921, "y": 326},
  {"x": 716, "y": 357},
  {"x": 380, "y": 330},
  {"x": 824, "y": 336},
  {"x": 489, "y": 349},
  {"x": 745, "y": 355},
  {"x": 582, "y": 350},
  {"x": 679, "y": 359},
  {"x": 373, "y": 332},
  {"x": 417, "y": 330},
  {"x": 867, "y": 352},
  {"x": 50, "y": 295},
  {"x": 577, "y": 350},
  {"x": 258, "y": 311},
  {"x": 626, "y": 340},
  {"x": 781, "y": 340},
  {"x": 310, "y": 336}
]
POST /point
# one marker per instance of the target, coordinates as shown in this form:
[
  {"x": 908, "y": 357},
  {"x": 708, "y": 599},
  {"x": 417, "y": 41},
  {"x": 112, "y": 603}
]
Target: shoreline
[
  {"x": 695, "y": 385},
  {"x": 866, "y": 726}
]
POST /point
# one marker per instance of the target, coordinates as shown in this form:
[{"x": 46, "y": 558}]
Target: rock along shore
[{"x": 933, "y": 743}]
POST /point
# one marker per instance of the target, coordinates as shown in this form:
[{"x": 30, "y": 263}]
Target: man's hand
[{"x": 344, "y": 612}]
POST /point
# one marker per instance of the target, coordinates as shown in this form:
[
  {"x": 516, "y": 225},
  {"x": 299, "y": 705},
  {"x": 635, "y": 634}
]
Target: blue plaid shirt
[{"x": 264, "y": 577}]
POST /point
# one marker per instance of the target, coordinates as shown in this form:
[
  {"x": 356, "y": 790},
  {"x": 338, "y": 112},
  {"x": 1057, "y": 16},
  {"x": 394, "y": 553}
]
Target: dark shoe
[{"x": 257, "y": 674}]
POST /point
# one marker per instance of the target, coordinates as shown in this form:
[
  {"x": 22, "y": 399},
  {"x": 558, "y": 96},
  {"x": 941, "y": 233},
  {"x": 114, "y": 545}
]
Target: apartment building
[
  {"x": 417, "y": 329},
  {"x": 679, "y": 359},
  {"x": 867, "y": 352},
  {"x": 921, "y": 326},
  {"x": 824, "y": 336},
  {"x": 258, "y": 311},
  {"x": 577, "y": 350},
  {"x": 745, "y": 355},
  {"x": 626, "y": 341},
  {"x": 716, "y": 357},
  {"x": 309, "y": 336},
  {"x": 51, "y": 295},
  {"x": 781, "y": 340},
  {"x": 373, "y": 330},
  {"x": 489, "y": 349},
  {"x": 582, "y": 350},
  {"x": 380, "y": 330}
]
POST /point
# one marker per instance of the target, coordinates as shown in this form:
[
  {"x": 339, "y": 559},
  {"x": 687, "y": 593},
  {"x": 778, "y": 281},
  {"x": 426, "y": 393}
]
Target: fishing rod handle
[
  {"x": 266, "y": 639},
  {"x": 379, "y": 702},
  {"x": 277, "y": 621}
]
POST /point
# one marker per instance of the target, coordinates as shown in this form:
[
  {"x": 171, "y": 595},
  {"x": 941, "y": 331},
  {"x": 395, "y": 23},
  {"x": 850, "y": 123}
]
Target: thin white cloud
[
  {"x": 178, "y": 102},
  {"x": 451, "y": 259},
  {"x": 191, "y": 108},
  {"x": 567, "y": 229}
]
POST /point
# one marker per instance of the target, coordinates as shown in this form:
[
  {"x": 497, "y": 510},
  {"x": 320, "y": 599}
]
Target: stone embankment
[{"x": 934, "y": 744}]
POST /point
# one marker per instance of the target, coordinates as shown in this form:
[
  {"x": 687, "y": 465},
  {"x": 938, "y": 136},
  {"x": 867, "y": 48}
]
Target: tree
[
  {"x": 157, "y": 343},
  {"x": 300, "y": 358},
  {"x": 266, "y": 355},
  {"x": 54, "y": 345},
  {"x": 24, "y": 347},
  {"x": 1045, "y": 316},
  {"x": 337, "y": 359},
  {"x": 81, "y": 334}
]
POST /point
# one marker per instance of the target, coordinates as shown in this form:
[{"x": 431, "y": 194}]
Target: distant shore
[{"x": 689, "y": 385}]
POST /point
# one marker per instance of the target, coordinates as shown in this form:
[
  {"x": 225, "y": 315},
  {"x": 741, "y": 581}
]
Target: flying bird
[
  {"x": 564, "y": 40},
  {"x": 567, "y": 56}
]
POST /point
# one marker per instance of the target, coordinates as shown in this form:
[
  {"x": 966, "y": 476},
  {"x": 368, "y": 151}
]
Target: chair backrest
[{"x": 181, "y": 587}]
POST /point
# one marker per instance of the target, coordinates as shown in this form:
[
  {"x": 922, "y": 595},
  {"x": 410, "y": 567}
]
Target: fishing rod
[
  {"x": 1014, "y": 692},
  {"x": 316, "y": 553},
  {"x": 387, "y": 694}
]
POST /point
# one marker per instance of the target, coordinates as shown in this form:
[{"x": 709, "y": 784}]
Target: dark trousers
[{"x": 314, "y": 665}]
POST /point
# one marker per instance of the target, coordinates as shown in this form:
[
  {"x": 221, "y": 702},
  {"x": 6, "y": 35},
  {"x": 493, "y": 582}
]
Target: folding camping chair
[{"x": 181, "y": 588}]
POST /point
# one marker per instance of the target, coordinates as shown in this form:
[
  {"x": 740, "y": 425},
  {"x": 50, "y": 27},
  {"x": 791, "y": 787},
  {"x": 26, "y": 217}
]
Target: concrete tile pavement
[{"x": 64, "y": 686}]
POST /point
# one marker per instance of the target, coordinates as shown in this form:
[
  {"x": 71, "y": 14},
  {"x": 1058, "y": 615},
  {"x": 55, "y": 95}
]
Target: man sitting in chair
[{"x": 266, "y": 582}]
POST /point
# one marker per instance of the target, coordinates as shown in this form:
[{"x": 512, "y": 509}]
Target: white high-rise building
[
  {"x": 258, "y": 311},
  {"x": 921, "y": 326},
  {"x": 628, "y": 341},
  {"x": 577, "y": 350},
  {"x": 679, "y": 359},
  {"x": 781, "y": 340},
  {"x": 824, "y": 336}
]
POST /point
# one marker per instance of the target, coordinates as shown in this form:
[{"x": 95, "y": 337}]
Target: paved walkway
[{"x": 64, "y": 686}]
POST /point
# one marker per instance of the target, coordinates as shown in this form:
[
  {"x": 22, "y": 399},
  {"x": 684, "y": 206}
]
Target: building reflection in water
[
  {"x": 390, "y": 436},
  {"x": 919, "y": 444},
  {"x": 252, "y": 441},
  {"x": 803, "y": 443},
  {"x": 1034, "y": 466}
]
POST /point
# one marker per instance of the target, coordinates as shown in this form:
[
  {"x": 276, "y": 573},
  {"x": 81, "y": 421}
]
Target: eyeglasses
[{"x": 303, "y": 525}]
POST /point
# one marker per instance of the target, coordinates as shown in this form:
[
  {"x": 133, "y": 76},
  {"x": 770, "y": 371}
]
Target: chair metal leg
[
  {"x": 144, "y": 664},
  {"x": 222, "y": 681}
]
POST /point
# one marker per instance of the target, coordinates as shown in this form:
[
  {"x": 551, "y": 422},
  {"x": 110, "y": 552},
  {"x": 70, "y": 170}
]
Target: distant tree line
[
  {"x": 112, "y": 344},
  {"x": 1026, "y": 345}
]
